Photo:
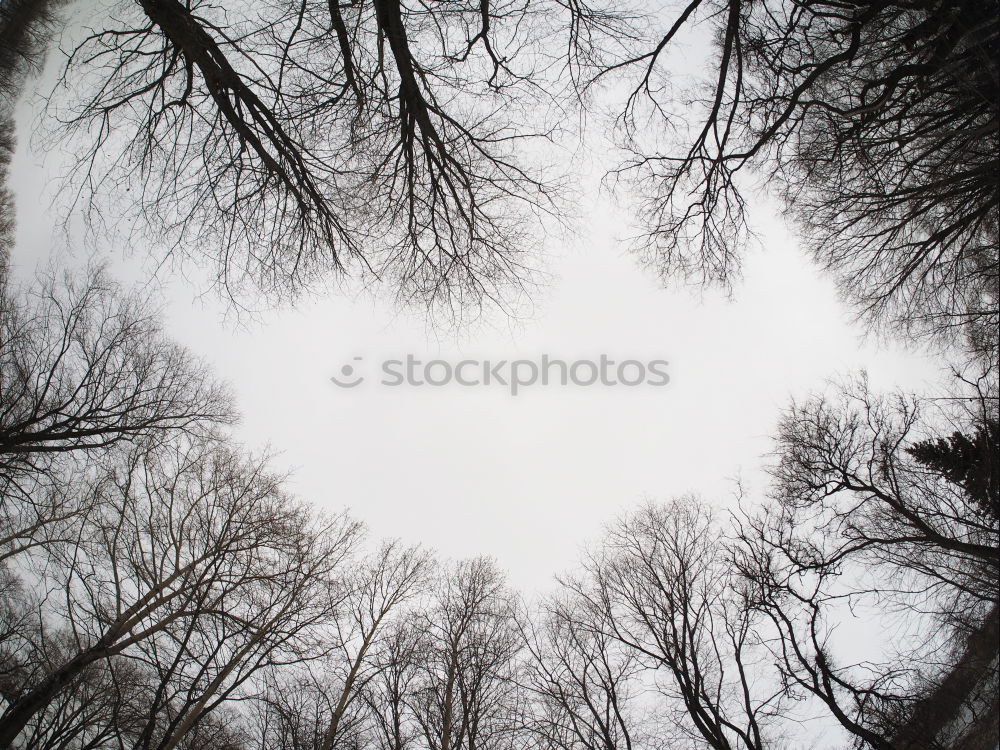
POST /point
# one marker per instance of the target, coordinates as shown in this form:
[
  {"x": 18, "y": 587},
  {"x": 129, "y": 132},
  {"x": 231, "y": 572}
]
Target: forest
[{"x": 162, "y": 588}]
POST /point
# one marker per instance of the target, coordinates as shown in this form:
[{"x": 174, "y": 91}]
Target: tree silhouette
[
  {"x": 194, "y": 561},
  {"x": 973, "y": 463},
  {"x": 288, "y": 141},
  {"x": 876, "y": 121}
]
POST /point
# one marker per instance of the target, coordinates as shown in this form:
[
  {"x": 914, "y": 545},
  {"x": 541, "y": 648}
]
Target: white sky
[{"x": 526, "y": 479}]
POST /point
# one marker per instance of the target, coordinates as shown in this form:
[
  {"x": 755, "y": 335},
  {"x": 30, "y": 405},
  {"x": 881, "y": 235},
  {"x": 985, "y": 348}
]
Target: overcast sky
[{"x": 526, "y": 479}]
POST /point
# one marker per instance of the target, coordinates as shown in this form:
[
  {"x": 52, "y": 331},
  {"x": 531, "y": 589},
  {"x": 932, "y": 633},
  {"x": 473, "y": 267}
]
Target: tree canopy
[{"x": 161, "y": 588}]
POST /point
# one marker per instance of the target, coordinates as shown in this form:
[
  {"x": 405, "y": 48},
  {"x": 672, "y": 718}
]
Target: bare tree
[
  {"x": 84, "y": 366},
  {"x": 586, "y": 684},
  {"x": 389, "y": 695},
  {"x": 19, "y": 633},
  {"x": 286, "y": 141},
  {"x": 438, "y": 672},
  {"x": 277, "y": 623},
  {"x": 187, "y": 532},
  {"x": 852, "y": 491},
  {"x": 662, "y": 586},
  {"x": 38, "y": 510},
  {"x": 7, "y": 211},
  {"x": 102, "y": 708},
  {"x": 860, "y": 524},
  {"x": 325, "y": 704},
  {"x": 26, "y": 29},
  {"x": 381, "y": 588},
  {"x": 877, "y": 121},
  {"x": 467, "y": 692}
]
